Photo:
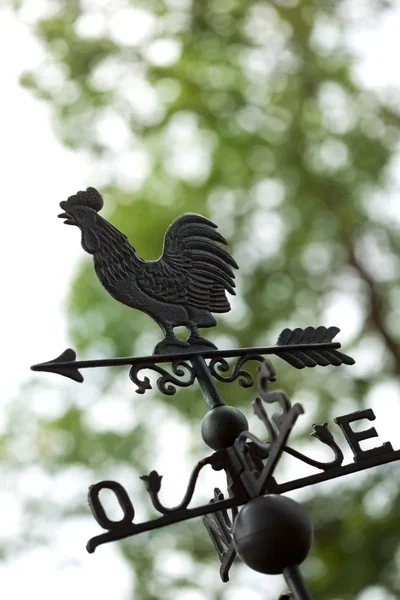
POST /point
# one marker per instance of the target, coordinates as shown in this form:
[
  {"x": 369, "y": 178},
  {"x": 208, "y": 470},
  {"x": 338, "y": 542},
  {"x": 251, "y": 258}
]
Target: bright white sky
[
  {"x": 37, "y": 264},
  {"x": 37, "y": 173}
]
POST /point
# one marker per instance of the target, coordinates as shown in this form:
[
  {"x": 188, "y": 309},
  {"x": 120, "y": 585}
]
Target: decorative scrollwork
[
  {"x": 153, "y": 486},
  {"x": 168, "y": 382},
  {"x": 266, "y": 374},
  {"x": 220, "y": 365},
  {"x": 320, "y": 432}
]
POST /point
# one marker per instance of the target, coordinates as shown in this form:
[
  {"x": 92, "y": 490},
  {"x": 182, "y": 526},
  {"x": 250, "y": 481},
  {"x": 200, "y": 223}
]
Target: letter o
[{"x": 98, "y": 510}]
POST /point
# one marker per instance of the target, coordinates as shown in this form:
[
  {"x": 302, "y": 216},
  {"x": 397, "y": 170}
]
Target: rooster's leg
[
  {"x": 170, "y": 343},
  {"x": 196, "y": 338},
  {"x": 171, "y": 337},
  {"x": 193, "y": 330}
]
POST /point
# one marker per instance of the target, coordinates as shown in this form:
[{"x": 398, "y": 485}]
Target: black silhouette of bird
[{"x": 183, "y": 287}]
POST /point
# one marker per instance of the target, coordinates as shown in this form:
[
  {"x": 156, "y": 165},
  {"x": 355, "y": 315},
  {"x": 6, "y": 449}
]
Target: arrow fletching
[
  {"x": 60, "y": 366},
  {"x": 311, "y": 357}
]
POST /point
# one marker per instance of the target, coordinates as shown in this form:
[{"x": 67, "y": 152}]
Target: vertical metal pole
[
  {"x": 295, "y": 581},
  {"x": 209, "y": 389}
]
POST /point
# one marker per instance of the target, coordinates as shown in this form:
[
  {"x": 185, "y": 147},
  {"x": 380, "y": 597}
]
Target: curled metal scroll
[
  {"x": 320, "y": 432},
  {"x": 153, "y": 486},
  {"x": 220, "y": 365},
  {"x": 168, "y": 382},
  {"x": 266, "y": 374}
]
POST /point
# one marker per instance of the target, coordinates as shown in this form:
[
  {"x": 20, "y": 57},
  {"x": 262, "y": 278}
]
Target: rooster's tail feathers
[
  {"x": 218, "y": 300},
  {"x": 198, "y": 243},
  {"x": 204, "y": 231},
  {"x": 214, "y": 276},
  {"x": 194, "y": 239}
]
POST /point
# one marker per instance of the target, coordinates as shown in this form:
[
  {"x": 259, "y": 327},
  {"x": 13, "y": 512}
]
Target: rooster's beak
[{"x": 67, "y": 217}]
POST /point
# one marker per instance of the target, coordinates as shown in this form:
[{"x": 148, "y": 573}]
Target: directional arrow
[{"x": 300, "y": 348}]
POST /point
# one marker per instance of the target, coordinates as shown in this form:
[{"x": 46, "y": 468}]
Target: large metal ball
[
  {"x": 222, "y": 425},
  {"x": 271, "y": 533}
]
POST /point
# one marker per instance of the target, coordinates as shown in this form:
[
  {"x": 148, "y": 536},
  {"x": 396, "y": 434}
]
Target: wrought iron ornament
[
  {"x": 315, "y": 348},
  {"x": 271, "y": 533},
  {"x": 183, "y": 287}
]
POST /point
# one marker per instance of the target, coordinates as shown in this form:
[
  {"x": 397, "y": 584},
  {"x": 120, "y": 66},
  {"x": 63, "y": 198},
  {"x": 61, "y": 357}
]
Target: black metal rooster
[{"x": 183, "y": 287}]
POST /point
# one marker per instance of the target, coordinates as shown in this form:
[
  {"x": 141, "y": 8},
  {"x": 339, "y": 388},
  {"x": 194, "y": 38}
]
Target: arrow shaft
[{"x": 154, "y": 359}]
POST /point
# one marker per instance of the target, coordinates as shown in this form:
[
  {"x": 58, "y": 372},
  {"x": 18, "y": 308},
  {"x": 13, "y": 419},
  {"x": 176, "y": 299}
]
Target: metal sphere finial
[
  {"x": 272, "y": 533},
  {"x": 222, "y": 425}
]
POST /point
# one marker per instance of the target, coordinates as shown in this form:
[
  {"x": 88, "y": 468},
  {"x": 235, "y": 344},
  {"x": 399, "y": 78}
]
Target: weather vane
[{"x": 271, "y": 533}]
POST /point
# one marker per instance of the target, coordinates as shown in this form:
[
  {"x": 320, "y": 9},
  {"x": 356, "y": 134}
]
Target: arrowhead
[{"x": 60, "y": 366}]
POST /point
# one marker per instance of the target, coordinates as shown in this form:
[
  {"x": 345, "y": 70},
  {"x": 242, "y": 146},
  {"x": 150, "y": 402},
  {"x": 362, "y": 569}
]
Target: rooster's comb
[{"x": 91, "y": 198}]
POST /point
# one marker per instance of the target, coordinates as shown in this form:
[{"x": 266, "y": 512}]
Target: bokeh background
[{"x": 280, "y": 121}]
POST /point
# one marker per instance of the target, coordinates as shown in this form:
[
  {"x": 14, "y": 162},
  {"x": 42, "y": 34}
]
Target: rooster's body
[{"x": 183, "y": 287}]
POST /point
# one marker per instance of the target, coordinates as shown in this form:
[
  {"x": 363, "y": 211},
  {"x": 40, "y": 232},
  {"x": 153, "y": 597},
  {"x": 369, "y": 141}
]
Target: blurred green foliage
[{"x": 250, "y": 113}]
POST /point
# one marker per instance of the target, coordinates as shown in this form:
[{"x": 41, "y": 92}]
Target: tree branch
[{"x": 376, "y": 313}]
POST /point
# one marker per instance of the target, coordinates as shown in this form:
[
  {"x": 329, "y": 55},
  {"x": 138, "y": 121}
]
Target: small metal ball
[
  {"x": 222, "y": 425},
  {"x": 271, "y": 533}
]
